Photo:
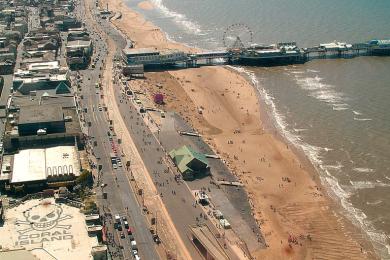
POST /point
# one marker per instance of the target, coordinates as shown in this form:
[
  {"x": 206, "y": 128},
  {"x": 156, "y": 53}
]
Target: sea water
[{"x": 336, "y": 110}]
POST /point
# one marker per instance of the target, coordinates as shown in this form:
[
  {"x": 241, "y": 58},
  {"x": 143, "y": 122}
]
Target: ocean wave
[
  {"x": 363, "y": 170},
  {"x": 362, "y": 119},
  {"x": 377, "y": 202},
  {"x": 322, "y": 92},
  {"x": 179, "y": 18},
  {"x": 358, "y": 185},
  {"x": 339, "y": 193}
]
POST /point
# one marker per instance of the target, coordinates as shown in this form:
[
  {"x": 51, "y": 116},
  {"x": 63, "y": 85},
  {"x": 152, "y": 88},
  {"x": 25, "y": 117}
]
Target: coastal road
[
  {"x": 121, "y": 198},
  {"x": 175, "y": 195}
]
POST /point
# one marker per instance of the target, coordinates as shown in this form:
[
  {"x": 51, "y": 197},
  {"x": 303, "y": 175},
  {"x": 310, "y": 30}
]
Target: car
[
  {"x": 123, "y": 235},
  {"x": 134, "y": 252},
  {"x": 126, "y": 224},
  {"x": 156, "y": 239},
  {"x": 120, "y": 164},
  {"x": 130, "y": 236},
  {"x": 114, "y": 166},
  {"x": 100, "y": 108},
  {"x": 134, "y": 245},
  {"x": 110, "y": 138},
  {"x": 124, "y": 218},
  {"x": 129, "y": 231},
  {"x": 119, "y": 227},
  {"x": 136, "y": 257},
  {"x": 103, "y": 185}
]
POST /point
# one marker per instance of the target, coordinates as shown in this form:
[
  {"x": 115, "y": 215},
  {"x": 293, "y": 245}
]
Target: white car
[
  {"x": 114, "y": 166},
  {"x": 117, "y": 218},
  {"x": 120, "y": 164}
]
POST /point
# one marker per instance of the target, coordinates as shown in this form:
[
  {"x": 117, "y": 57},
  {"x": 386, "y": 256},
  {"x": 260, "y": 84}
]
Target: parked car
[
  {"x": 123, "y": 235},
  {"x": 126, "y": 224},
  {"x": 133, "y": 245}
]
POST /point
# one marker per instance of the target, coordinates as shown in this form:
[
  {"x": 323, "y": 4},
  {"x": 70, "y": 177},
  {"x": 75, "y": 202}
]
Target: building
[
  {"x": 35, "y": 118},
  {"x": 380, "y": 47},
  {"x": 150, "y": 57},
  {"x": 53, "y": 167},
  {"x": 78, "y": 53},
  {"x": 190, "y": 163},
  {"x": 25, "y": 81},
  {"x": 42, "y": 119},
  {"x": 40, "y": 229}
]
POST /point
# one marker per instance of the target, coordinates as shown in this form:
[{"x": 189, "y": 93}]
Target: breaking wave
[
  {"x": 341, "y": 194},
  {"x": 179, "y": 18},
  {"x": 321, "y": 91}
]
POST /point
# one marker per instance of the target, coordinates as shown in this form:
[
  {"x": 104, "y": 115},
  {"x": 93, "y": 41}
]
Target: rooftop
[
  {"x": 78, "y": 43},
  {"x": 39, "y": 164},
  {"x": 139, "y": 51},
  {"x": 37, "y": 114},
  {"x": 47, "y": 230}
]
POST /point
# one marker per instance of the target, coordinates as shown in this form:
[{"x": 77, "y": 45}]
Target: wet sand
[{"x": 295, "y": 214}]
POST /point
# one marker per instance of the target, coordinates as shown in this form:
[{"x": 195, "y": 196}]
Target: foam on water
[
  {"x": 362, "y": 119},
  {"x": 363, "y": 170},
  {"x": 377, "y": 202},
  {"x": 357, "y": 216},
  {"x": 321, "y": 91},
  {"x": 179, "y": 18},
  {"x": 358, "y": 185}
]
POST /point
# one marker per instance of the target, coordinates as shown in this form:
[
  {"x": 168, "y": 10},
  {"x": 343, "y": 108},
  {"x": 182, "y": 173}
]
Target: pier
[{"x": 255, "y": 55}]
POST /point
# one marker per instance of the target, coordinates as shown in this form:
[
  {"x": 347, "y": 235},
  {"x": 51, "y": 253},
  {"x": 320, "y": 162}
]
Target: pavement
[
  {"x": 120, "y": 196},
  {"x": 177, "y": 196}
]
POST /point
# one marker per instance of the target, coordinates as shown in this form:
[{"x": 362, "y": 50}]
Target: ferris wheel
[{"x": 237, "y": 36}]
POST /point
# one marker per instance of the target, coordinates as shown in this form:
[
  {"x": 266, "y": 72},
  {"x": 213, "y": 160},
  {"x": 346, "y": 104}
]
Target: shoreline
[
  {"x": 266, "y": 122},
  {"x": 270, "y": 125}
]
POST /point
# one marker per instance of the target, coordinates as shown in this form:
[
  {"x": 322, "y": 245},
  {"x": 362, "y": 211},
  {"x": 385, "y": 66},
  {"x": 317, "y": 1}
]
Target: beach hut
[{"x": 190, "y": 163}]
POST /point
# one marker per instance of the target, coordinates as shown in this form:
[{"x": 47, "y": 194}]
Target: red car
[{"x": 130, "y": 230}]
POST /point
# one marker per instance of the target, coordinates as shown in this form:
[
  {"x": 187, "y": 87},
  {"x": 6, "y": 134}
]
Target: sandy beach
[{"x": 296, "y": 216}]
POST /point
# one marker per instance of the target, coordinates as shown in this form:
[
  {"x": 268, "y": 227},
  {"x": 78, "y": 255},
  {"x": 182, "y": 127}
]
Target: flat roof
[
  {"x": 37, "y": 114},
  {"x": 78, "y": 43},
  {"x": 44, "y": 65},
  {"x": 134, "y": 51},
  {"x": 48, "y": 230},
  {"x": 21, "y": 76},
  {"x": 39, "y": 164}
]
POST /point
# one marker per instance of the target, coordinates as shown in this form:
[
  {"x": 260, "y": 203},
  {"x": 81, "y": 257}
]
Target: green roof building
[{"x": 189, "y": 162}]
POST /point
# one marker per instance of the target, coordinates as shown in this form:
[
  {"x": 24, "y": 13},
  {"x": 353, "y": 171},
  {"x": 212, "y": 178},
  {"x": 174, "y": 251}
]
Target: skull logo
[
  {"x": 42, "y": 221},
  {"x": 43, "y": 217}
]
